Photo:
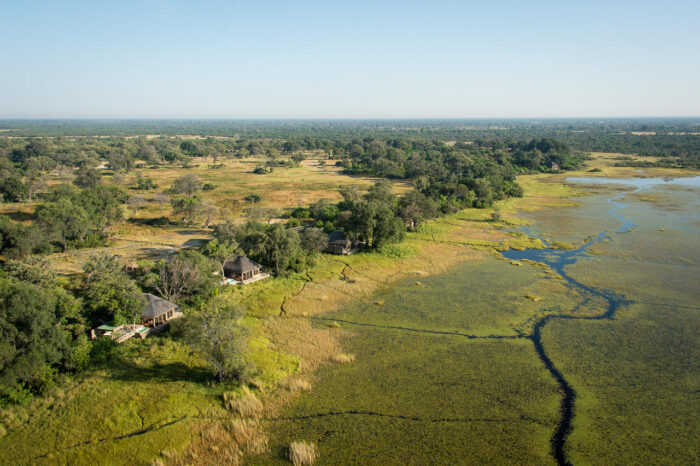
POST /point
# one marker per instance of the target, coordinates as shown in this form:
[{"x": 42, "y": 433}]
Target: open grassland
[
  {"x": 149, "y": 393},
  {"x": 423, "y": 399}
]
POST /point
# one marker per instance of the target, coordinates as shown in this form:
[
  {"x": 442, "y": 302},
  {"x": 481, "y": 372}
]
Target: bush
[
  {"x": 294, "y": 222},
  {"x": 300, "y": 212},
  {"x": 253, "y": 198},
  {"x": 19, "y": 394},
  {"x": 93, "y": 240},
  {"x": 102, "y": 350},
  {"x": 208, "y": 187}
]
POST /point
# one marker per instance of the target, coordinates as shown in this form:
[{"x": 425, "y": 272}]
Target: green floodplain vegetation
[
  {"x": 443, "y": 365},
  {"x": 418, "y": 397}
]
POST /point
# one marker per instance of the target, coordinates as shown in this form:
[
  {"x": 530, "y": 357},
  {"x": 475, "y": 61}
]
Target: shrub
[
  {"x": 208, "y": 187},
  {"x": 253, "y": 198},
  {"x": 102, "y": 349},
  {"x": 19, "y": 394}
]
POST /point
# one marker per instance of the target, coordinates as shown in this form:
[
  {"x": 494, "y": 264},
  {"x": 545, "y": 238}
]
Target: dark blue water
[{"x": 557, "y": 259}]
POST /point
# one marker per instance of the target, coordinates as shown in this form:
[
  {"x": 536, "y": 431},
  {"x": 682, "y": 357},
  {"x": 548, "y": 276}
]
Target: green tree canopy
[{"x": 109, "y": 293}]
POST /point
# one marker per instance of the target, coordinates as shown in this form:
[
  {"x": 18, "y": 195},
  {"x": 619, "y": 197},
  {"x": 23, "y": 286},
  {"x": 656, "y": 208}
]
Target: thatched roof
[
  {"x": 338, "y": 237},
  {"x": 241, "y": 265},
  {"x": 156, "y": 306}
]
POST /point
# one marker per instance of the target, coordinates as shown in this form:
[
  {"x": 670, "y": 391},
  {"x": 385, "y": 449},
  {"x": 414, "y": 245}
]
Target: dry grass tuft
[
  {"x": 296, "y": 384},
  {"x": 247, "y": 404},
  {"x": 301, "y": 453},
  {"x": 249, "y": 435},
  {"x": 214, "y": 446},
  {"x": 168, "y": 454},
  {"x": 344, "y": 358}
]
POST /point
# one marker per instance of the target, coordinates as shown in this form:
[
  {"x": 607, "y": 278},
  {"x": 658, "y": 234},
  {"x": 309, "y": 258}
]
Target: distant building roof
[
  {"x": 156, "y": 306},
  {"x": 241, "y": 265}
]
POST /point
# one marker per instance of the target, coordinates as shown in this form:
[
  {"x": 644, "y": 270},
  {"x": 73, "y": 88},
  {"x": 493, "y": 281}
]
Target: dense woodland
[
  {"x": 44, "y": 318},
  {"x": 676, "y": 139}
]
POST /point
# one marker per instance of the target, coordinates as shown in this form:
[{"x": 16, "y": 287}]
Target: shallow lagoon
[{"x": 448, "y": 369}]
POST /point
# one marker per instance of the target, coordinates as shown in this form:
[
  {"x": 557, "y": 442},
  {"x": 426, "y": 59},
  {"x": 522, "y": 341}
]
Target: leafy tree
[
  {"x": 313, "y": 240},
  {"x": 39, "y": 323},
  {"x": 62, "y": 221},
  {"x": 417, "y": 207},
  {"x": 377, "y": 223},
  {"x": 188, "y": 209},
  {"x": 87, "y": 178},
  {"x": 297, "y": 159},
  {"x": 103, "y": 206},
  {"x": 282, "y": 246},
  {"x": 221, "y": 252},
  {"x": 217, "y": 333},
  {"x": 187, "y": 184},
  {"x": 253, "y": 198},
  {"x": 257, "y": 214},
  {"x": 188, "y": 273},
  {"x": 145, "y": 183},
  {"x": 188, "y": 147},
  {"x": 18, "y": 240},
  {"x": 109, "y": 292},
  {"x": 13, "y": 189}
]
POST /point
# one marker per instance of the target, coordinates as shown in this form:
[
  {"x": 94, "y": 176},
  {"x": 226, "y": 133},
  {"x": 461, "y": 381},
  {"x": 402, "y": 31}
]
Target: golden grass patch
[
  {"x": 302, "y": 453},
  {"x": 344, "y": 358}
]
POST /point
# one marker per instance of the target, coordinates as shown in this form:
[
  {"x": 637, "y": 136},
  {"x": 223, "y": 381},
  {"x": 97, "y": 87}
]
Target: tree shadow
[
  {"x": 159, "y": 252},
  {"x": 191, "y": 232},
  {"x": 125, "y": 370},
  {"x": 20, "y": 216},
  {"x": 195, "y": 243},
  {"x": 157, "y": 221}
]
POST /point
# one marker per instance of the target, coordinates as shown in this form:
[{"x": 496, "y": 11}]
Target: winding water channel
[
  {"x": 449, "y": 361},
  {"x": 558, "y": 259}
]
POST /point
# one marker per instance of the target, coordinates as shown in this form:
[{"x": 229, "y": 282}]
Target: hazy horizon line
[{"x": 105, "y": 119}]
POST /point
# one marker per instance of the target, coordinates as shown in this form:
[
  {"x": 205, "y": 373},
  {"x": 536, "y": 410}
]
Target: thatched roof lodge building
[
  {"x": 339, "y": 244},
  {"x": 243, "y": 270},
  {"x": 156, "y": 316},
  {"x": 158, "y": 311}
]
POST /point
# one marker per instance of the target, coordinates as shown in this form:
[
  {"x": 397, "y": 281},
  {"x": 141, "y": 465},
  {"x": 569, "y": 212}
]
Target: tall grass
[{"x": 302, "y": 453}]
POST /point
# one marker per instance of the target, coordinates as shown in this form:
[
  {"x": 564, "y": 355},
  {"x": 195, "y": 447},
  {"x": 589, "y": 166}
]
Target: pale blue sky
[{"x": 349, "y": 59}]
